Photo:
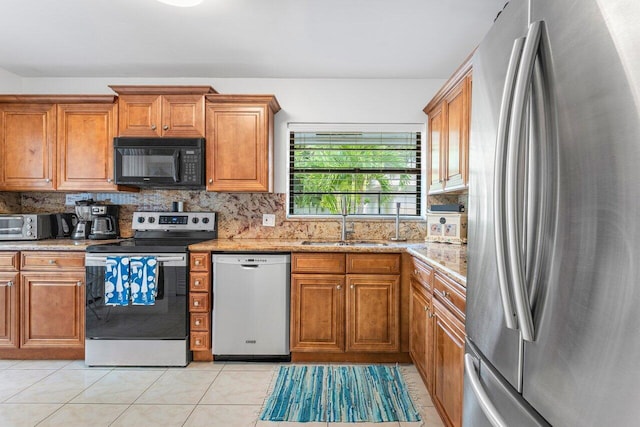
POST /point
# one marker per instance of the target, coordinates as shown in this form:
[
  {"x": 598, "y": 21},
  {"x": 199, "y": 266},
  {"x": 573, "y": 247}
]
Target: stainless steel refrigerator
[{"x": 553, "y": 288}]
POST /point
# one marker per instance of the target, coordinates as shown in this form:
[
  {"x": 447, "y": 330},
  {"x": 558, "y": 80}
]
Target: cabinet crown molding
[
  {"x": 161, "y": 90},
  {"x": 250, "y": 99},
  {"x": 462, "y": 71},
  {"x": 57, "y": 99}
]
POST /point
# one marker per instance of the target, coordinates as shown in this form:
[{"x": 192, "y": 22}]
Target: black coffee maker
[{"x": 104, "y": 222}]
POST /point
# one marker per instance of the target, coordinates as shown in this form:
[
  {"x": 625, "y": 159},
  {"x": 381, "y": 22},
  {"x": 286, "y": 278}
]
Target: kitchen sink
[{"x": 344, "y": 243}]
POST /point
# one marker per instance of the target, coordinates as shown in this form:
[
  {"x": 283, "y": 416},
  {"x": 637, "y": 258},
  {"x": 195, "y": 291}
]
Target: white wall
[
  {"x": 302, "y": 100},
  {"x": 9, "y": 82}
]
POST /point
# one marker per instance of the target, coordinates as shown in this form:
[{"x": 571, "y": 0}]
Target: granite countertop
[
  {"x": 450, "y": 259},
  {"x": 51, "y": 244}
]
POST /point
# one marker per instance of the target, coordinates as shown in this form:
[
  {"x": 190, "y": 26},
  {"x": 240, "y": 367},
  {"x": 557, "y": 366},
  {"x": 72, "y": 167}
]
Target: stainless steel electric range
[{"x": 153, "y": 334}]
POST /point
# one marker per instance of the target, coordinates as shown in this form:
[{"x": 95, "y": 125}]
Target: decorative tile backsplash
[{"x": 239, "y": 214}]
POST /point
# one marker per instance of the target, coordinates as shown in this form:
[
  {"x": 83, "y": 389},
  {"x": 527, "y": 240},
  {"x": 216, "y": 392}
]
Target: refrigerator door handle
[
  {"x": 498, "y": 183},
  {"x": 514, "y": 240},
  {"x": 486, "y": 405}
]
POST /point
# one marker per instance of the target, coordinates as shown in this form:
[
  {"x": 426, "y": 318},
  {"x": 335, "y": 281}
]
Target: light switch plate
[{"x": 268, "y": 220}]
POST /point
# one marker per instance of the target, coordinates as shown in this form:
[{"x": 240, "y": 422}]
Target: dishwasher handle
[{"x": 249, "y": 266}]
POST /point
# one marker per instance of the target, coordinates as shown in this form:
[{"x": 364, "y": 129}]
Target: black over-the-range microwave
[{"x": 160, "y": 162}]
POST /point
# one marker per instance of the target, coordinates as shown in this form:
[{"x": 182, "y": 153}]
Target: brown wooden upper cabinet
[
  {"x": 449, "y": 115},
  {"x": 59, "y": 142},
  {"x": 239, "y": 132},
  {"x": 161, "y": 111}
]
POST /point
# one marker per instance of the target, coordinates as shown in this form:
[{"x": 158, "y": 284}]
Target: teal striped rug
[{"x": 359, "y": 393}]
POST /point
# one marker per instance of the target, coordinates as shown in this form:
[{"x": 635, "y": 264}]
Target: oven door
[
  {"x": 167, "y": 319},
  {"x": 11, "y": 227}
]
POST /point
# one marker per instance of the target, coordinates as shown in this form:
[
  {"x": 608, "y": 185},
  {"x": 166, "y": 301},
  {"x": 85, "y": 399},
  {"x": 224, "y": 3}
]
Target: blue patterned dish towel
[
  {"x": 142, "y": 278},
  {"x": 116, "y": 281}
]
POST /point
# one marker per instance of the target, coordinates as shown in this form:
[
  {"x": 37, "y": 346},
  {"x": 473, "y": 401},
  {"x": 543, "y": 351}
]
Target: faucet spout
[{"x": 343, "y": 229}]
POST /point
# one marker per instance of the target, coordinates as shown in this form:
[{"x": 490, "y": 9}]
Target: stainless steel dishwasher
[{"x": 251, "y": 306}]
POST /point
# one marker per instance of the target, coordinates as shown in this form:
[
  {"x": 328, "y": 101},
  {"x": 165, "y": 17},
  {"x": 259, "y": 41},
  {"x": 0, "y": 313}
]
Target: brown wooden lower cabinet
[
  {"x": 344, "y": 310},
  {"x": 200, "y": 305},
  {"x": 448, "y": 340},
  {"x": 43, "y": 301},
  {"x": 372, "y": 313},
  {"x": 421, "y": 332},
  {"x": 317, "y": 312},
  {"x": 51, "y": 309}
]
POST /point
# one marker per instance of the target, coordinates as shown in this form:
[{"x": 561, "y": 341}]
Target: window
[{"x": 369, "y": 170}]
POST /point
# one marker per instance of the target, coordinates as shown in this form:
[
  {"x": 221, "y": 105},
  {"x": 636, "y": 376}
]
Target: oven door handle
[{"x": 103, "y": 259}]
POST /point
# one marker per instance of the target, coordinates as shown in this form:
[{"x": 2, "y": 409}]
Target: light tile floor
[{"x": 69, "y": 394}]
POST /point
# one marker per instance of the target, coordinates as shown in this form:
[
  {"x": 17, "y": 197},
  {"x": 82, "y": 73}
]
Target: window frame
[{"x": 364, "y": 128}]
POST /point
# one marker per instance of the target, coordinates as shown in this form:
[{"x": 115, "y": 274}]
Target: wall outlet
[{"x": 268, "y": 220}]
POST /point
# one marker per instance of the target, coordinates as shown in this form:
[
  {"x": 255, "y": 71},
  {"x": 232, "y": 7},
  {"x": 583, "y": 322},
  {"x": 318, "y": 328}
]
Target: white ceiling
[{"x": 241, "y": 38}]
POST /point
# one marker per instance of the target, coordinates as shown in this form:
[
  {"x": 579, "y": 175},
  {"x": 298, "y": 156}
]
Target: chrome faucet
[{"x": 398, "y": 238}]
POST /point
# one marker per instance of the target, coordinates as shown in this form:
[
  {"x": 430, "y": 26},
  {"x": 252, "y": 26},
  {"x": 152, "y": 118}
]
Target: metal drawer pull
[
  {"x": 197, "y": 323},
  {"x": 196, "y": 303},
  {"x": 78, "y": 283},
  {"x": 52, "y": 261},
  {"x": 197, "y": 282},
  {"x": 197, "y": 262},
  {"x": 153, "y": 127},
  {"x": 338, "y": 287},
  {"x": 198, "y": 342},
  {"x": 9, "y": 283},
  {"x": 165, "y": 127}
]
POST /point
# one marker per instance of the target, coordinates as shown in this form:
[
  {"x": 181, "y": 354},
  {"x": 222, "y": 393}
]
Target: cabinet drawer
[
  {"x": 422, "y": 272},
  {"x": 200, "y": 341},
  {"x": 52, "y": 260},
  {"x": 320, "y": 263},
  {"x": 373, "y": 263},
  {"x": 451, "y": 294},
  {"x": 200, "y": 322},
  {"x": 199, "y": 282},
  {"x": 199, "y": 302},
  {"x": 199, "y": 261},
  {"x": 9, "y": 260}
]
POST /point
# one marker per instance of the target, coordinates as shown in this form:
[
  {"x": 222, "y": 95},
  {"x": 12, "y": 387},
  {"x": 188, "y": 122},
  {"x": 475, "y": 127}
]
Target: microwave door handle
[{"x": 176, "y": 166}]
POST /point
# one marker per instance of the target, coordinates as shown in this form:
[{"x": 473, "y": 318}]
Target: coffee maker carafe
[
  {"x": 104, "y": 222},
  {"x": 82, "y": 228}
]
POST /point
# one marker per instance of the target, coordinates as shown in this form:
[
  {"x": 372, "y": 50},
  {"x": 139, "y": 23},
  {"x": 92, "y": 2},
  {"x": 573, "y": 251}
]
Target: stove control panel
[{"x": 175, "y": 221}]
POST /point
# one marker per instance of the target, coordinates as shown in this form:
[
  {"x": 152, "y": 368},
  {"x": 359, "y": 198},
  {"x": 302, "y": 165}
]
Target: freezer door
[
  {"x": 582, "y": 368},
  {"x": 488, "y": 396},
  {"x": 486, "y": 324}
]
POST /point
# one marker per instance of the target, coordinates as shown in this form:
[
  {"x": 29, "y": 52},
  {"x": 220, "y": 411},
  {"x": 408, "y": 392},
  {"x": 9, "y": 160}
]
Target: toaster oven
[{"x": 25, "y": 226}]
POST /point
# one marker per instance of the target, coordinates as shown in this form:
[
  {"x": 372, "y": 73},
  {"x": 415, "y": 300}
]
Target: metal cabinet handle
[
  {"x": 153, "y": 127},
  {"x": 446, "y": 294},
  {"x": 431, "y": 315},
  {"x": 198, "y": 342},
  {"x": 109, "y": 180},
  {"x": 52, "y": 261},
  {"x": 47, "y": 180},
  {"x": 197, "y": 262},
  {"x": 426, "y": 308},
  {"x": 197, "y": 323},
  {"x": 338, "y": 287},
  {"x": 9, "y": 283},
  {"x": 78, "y": 283},
  {"x": 197, "y": 282},
  {"x": 165, "y": 127},
  {"x": 210, "y": 181},
  {"x": 352, "y": 287},
  {"x": 196, "y": 303}
]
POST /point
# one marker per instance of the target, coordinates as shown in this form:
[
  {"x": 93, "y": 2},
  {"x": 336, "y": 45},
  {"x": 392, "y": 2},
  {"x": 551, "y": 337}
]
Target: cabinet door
[
  {"x": 448, "y": 364},
  {"x": 239, "y": 148},
  {"x": 457, "y": 131},
  {"x": 317, "y": 312},
  {"x": 183, "y": 116},
  {"x": 436, "y": 141},
  {"x": 52, "y": 309},
  {"x": 27, "y": 147},
  {"x": 9, "y": 283},
  {"x": 373, "y": 323},
  {"x": 85, "y": 146},
  {"x": 140, "y": 115},
  {"x": 419, "y": 310}
]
